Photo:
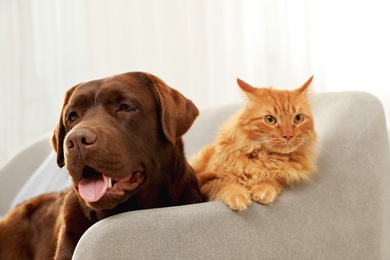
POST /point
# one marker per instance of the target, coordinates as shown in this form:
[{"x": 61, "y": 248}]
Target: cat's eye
[
  {"x": 270, "y": 120},
  {"x": 299, "y": 118}
]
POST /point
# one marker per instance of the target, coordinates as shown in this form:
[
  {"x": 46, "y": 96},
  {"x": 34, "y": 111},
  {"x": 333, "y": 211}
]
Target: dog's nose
[{"x": 82, "y": 138}]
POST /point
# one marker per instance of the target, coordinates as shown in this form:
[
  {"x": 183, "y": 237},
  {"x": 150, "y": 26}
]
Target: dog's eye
[
  {"x": 73, "y": 117},
  {"x": 126, "y": 108}
]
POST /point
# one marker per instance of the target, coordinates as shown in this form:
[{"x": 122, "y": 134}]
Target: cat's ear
[
  {"x": 304, "y": 87},
  {"x": 245, "y": 86}
]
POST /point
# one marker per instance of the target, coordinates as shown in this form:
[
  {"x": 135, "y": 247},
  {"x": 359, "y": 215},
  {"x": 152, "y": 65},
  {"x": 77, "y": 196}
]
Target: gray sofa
[{"x": 343, "y": 213}]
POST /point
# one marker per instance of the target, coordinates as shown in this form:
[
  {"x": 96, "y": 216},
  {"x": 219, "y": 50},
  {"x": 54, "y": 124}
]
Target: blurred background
[{"x": 199, "y": 47}]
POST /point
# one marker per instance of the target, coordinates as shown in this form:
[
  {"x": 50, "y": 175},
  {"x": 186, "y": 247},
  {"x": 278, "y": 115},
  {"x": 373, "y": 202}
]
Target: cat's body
[{"x": 270, "y": 143}]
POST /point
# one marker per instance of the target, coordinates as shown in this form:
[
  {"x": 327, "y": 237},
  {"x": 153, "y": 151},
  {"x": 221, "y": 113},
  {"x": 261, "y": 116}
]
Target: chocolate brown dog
[{"x": 120, "y": 140}]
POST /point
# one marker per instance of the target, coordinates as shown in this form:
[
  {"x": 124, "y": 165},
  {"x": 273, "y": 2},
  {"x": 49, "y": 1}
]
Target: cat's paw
[
  {"x": 235, "y": 196},
  {"x": 265, "y": 193}
]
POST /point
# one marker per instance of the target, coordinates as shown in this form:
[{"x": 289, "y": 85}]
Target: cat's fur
[{"x": 255, "y": 155}]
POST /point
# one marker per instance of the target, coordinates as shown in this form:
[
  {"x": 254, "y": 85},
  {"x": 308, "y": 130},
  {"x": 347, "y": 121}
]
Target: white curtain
[{"x": 199, "y": 47}]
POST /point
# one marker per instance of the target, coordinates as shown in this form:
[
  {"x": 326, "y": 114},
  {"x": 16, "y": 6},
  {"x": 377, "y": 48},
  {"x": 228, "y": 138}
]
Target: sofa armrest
[
  {"x": 343, "y": 213},
  {"x": 16, "y": 172}
]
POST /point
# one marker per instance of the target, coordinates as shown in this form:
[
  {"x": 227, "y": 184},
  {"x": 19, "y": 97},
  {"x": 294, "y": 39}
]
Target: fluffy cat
[{"x": 269, "y": 144}]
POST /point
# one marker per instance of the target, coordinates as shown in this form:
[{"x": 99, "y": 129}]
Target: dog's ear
[
  {"x": 177, "y": 113},
  {"x": 57, "y": 139}
]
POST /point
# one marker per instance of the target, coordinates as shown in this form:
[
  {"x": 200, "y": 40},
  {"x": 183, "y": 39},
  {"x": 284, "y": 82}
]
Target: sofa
[{"x": 342, "y": 213}]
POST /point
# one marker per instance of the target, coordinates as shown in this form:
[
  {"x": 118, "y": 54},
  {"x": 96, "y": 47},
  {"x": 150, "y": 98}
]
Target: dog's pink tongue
[{"x": 92, "y": 189}]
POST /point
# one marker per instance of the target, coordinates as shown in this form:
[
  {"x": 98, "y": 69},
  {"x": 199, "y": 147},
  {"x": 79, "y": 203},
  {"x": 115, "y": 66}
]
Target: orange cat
[{"x": 270, "y": 143}]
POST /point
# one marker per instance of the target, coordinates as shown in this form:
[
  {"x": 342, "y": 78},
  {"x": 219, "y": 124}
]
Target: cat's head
[{"x": 278, "y": 120}]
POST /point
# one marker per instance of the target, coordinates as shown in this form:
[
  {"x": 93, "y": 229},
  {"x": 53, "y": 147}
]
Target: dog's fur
[{"x": 127, "y": 127}]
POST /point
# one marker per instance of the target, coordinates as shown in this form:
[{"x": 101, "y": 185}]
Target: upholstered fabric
[{"x": 343, "y": 213}]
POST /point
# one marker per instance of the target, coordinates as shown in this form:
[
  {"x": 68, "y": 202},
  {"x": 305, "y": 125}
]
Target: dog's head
[{"x": 114, "y": 134}]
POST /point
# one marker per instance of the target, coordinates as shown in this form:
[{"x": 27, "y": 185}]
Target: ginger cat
[{"x": 269, "y": 144}]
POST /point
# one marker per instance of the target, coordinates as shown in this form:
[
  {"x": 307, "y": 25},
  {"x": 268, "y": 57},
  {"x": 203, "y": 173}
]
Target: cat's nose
[{"x": 288, "y": 136}]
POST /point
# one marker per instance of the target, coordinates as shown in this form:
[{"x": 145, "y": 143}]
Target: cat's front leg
[
  {"x": 233, "y": 195},
  {"x": 266, "y": 192}
]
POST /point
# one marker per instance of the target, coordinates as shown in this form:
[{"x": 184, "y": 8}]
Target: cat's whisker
[{"x": 323, "y": 153}]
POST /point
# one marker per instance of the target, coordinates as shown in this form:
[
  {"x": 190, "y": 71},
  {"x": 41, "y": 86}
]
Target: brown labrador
[{"x": 120, "y": 140}]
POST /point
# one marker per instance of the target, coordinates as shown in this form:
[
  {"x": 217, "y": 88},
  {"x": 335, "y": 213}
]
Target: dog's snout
[{"x": 81, "y": 138}]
